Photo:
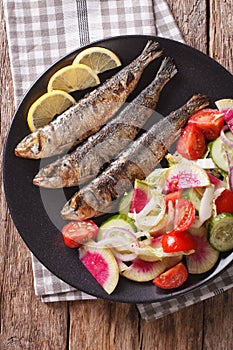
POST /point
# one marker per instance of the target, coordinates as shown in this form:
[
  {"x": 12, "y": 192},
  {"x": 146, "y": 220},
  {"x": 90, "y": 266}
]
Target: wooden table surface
[{"x": 27, "y": 323}]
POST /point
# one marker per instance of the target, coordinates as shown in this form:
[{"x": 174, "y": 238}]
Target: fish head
[
  {"x": 29, "y": 147},
  {"x": 78, "y": 208}
]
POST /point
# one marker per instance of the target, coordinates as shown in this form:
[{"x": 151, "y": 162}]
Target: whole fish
[
  {"x": 88, "y": 115},
  {"x": 137, "y": 162},
  {"x": 85, "y": 162}
]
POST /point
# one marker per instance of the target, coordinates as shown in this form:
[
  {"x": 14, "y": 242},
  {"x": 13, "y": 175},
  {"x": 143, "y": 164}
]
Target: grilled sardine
[
  {"x": 85, "y": 162},
  {"x": 88, "y": 115},
  {"x": 100, "y": 195}
]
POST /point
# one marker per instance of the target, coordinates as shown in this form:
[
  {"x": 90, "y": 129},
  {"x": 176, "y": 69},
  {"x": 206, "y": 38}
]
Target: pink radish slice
[
  {"x": 228, "y": 116},
  {"x": 140, "y": 199},
  {"x": 144, "y": 271},
  {"x": 140, "y": 196},
  {"x": 215, "y": 181},
  {"x": 204, "y": 258},
  {"x": 101, "y": 263},
  {"x": 183, "y": 175}
]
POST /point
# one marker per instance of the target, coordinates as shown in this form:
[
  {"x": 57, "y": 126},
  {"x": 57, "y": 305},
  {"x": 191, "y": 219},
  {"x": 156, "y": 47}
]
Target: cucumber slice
[
  {"x": 119, "y": 220},
  {"x": 218, "y": 152},
  {"x": 125, "y": 203},
  {"x": 221, "y": 232}
]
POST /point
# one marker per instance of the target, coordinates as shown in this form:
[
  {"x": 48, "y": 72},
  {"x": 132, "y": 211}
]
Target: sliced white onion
[
  {"x": 186, "y": 252},
  {"x": 206, "y": 207},
  {"x": 230, "y": 173},
  {"x": 152, "y": 213},
  {"x": 122, "y": 266},
  {"x": 116, "y": 243},
  {"x": 224, "y": 138},
  {"x": 125, "y": 256},
  {"x": 128, "y": 233}
]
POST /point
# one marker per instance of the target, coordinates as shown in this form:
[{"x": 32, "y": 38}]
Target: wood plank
[
  {"x": 191, "y": 17},
  {"x": 100, "y": 324},
  {"x": 218, "y": 322},
  {"x": 221, "y": 32},
  {"x": 25, "y": 322},
  {"x": 177, "y": 328},
  {"x": 218, "y": 316}
]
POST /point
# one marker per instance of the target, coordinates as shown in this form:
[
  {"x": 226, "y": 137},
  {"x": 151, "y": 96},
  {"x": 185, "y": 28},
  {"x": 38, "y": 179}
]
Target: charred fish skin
[
  {"x": 90, "y": 113},
  {"x": 85, "y": 162},
  {"x": 137, "y": 161}
]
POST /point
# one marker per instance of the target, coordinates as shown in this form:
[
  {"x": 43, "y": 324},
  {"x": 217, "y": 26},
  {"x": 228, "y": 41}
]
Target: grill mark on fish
[
  {"x": 137, "y": 161},
  {"x": 94, "y": 155},
  {"x": 90, "y": 113}
]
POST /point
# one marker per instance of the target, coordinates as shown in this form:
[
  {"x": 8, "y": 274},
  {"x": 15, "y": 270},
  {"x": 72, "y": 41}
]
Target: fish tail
[
  {"x": 198, "y": 102},
  {"x": 165, "y": 73},
  {"x": 181, "y": 115},
  {"x": 167, "y": 69},
  {"x": 151, "y": 51}
]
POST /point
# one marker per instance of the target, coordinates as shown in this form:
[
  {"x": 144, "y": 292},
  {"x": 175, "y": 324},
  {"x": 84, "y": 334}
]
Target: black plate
[{"x": 35, "y": 212}]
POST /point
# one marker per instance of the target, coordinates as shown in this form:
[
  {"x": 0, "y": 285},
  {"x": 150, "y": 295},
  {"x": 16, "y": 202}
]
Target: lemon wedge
[
  {"x": 73, "y": 77},
  {"x": 46, "y": 107},
  {"x": 99, "y": 59}
]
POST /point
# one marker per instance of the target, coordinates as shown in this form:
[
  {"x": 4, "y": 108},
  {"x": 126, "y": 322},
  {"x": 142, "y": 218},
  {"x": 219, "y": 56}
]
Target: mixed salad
[{"x": 174, "y": 223}]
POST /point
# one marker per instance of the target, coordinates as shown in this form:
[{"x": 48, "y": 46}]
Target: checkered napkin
[{"x": 40, "y": 32}]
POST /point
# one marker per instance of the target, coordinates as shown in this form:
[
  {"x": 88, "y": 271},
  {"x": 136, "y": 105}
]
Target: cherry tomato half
[
  {"x": 184, "y": 214},
  {"x": 172, "y": 197},
  {"x": 191, "y": 143},
  {"x": 76, "y": 233},
  {"x": 209, "y": 121},
  {"x": 177, "y": 241},
  {"x": 224, "y": 203},
  {"x": 172, "y": 278}
]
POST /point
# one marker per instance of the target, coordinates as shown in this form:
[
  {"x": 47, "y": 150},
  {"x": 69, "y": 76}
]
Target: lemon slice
[
  {"x": 98, "y": 58},
  {"x": 73, "y": 77},
  {"x": 46, "y": 107}
]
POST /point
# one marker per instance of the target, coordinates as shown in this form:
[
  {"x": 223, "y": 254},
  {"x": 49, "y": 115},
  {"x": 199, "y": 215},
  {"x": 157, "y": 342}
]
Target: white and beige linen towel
[{"x": 42, "y": 31}]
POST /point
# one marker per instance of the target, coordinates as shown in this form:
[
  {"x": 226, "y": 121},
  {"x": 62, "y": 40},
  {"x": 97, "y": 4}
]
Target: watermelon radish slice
[
  {"x": 140, "y": 196},
  {"x": 228, "y": 117},
  {"x": 185, "y": 175},
  {"x": 226, "y": 105},
  {"x": 101, "y": 263},
  {"x": 144, "y": 271},
  {"x": 204, "y": 258}
]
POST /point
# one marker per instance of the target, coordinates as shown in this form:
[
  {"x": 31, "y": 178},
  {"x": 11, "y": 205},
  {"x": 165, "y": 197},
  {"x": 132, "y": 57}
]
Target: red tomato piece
[
  {"x": 184, "y": 214},
  {"x": 172, "y": 278},
  {"x": 76, "y": 233},
  {"x": 177, "y": 241},
  {"x": 191, "y": 143},
  {"x": 209, "y": 121},
  {"x": 224, "y": 203},
  {"x": 172, "y": 196}
]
